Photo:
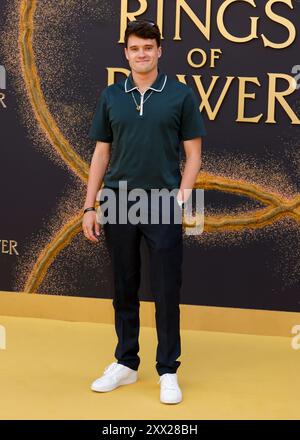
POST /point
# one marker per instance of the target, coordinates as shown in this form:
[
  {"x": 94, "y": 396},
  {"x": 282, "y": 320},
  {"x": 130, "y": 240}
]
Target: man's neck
[{"x": 144, "y": 80}]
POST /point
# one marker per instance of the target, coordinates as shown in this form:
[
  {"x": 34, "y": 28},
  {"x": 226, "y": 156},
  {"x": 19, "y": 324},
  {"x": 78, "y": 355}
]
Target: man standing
[{"x": 138, "y": 125}]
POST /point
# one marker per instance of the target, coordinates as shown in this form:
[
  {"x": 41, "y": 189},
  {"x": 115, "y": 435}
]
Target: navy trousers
[{"x": 165, "y": 246}]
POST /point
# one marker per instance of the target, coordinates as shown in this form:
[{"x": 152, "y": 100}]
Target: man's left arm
[
  {"x": 192, "y": 167},
  {"x": 192, "y": 130}
]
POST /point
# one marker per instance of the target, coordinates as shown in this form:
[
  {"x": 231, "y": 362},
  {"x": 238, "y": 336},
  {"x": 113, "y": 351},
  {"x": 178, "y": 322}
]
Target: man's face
[{"x": 142, "y": 53}]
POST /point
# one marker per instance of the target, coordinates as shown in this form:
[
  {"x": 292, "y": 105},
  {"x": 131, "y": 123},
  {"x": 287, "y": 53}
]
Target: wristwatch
[{"x": 180, "y": 203}]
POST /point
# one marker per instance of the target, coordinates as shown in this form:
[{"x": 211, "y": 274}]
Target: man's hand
[{"x": 89, "y": 225}]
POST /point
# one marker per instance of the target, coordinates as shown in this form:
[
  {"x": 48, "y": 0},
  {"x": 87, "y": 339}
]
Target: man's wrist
[
  {"x": 89, "y": 208},
  {"x": 89, "y": 204}
]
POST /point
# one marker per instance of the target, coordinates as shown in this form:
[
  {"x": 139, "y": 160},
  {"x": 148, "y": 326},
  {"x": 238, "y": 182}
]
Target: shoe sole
[
  {"x": 170, "y": 402},
  {"x": 113, "y": 387},
  {"x": 178, "y": 400}
]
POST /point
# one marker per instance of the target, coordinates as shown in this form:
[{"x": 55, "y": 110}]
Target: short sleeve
[
  {"x": 100, "y": 129},
  {"x": 192, "y": 124}
]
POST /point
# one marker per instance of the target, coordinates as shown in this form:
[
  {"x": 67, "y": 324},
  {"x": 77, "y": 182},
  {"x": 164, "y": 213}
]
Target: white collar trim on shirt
[{"x": 152, "y": 88}]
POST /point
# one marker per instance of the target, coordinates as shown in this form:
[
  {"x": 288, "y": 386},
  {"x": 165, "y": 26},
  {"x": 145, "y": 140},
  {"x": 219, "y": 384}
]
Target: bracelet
[{"x": 89, "y": 209}]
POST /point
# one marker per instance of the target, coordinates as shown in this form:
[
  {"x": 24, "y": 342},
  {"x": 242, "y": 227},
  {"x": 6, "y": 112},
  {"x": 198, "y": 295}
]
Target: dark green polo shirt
[{"x": 146, "y": 142}]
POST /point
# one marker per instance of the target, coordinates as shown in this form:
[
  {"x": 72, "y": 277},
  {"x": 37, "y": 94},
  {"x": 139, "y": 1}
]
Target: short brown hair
[{"x": 144, "y": 29}]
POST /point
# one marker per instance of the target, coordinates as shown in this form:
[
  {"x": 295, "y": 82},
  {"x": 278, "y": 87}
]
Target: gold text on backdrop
[
  {"x": 273, "y": 95},
  {"x": 205, "y": 28},
  {"x": 8, "y": 247}
]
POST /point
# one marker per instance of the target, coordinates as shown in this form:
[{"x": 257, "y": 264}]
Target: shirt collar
[{"x": 157, "y": 86}]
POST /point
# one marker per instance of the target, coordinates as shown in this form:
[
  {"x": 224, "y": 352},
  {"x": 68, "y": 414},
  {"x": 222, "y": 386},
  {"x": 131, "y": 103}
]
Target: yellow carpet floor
[{"x": 47, "y": 367}]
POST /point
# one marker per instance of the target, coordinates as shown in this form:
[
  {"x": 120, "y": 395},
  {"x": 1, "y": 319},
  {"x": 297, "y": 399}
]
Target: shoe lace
[{"x": 169, "y": 381}]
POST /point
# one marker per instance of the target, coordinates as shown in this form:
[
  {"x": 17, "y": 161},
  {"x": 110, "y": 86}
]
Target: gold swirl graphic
[
  {"x": 276, "y": 206},
  {"x": 49, "y": 253},
  {"x": 38, "y": 104}
]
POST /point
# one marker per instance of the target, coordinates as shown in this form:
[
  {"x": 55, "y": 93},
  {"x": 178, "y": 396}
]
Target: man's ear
[{"x": 125, "y": 52}]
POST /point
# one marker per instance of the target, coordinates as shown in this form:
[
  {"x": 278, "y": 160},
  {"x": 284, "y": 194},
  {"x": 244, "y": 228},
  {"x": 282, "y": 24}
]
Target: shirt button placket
[{"x": 142, "y": 104}]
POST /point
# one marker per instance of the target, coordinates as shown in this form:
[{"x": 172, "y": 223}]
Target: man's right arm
[{"x": 98, "y": 167}]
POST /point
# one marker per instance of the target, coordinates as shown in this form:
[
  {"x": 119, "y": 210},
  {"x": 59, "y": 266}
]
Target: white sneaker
[
  {"x": 169, "y": 388},
  {"x": 114, "y": 376}
]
